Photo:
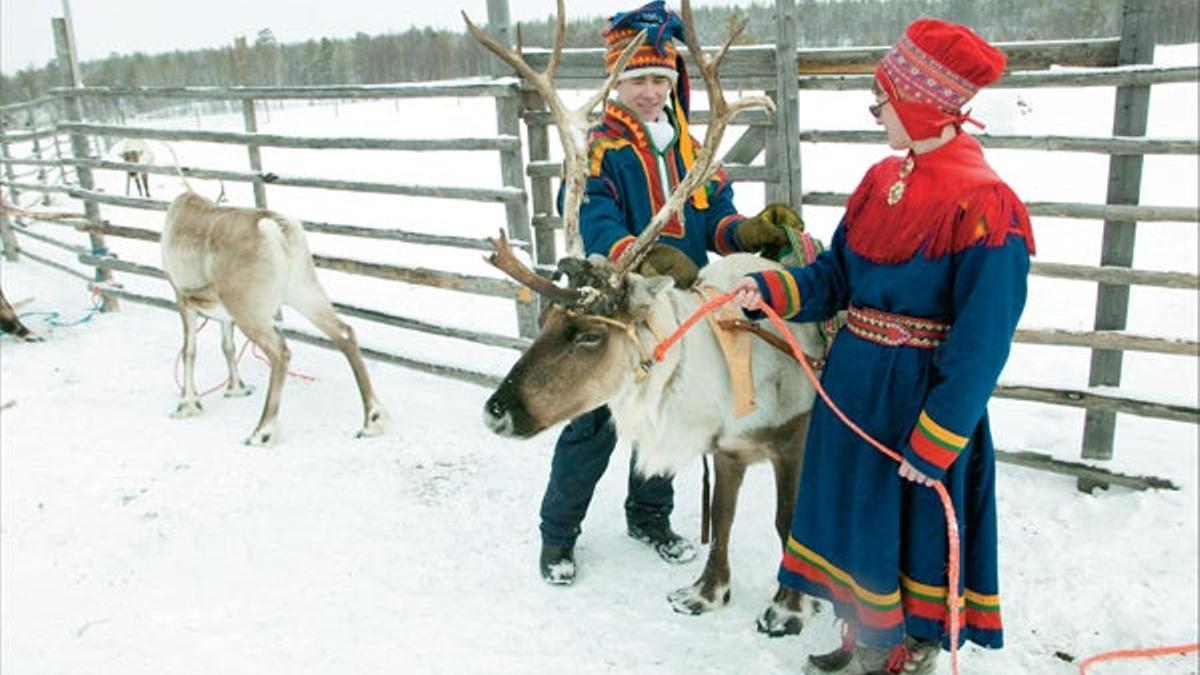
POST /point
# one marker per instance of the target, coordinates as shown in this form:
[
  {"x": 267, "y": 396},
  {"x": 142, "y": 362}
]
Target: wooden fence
[{"x": 781, "y": 70}]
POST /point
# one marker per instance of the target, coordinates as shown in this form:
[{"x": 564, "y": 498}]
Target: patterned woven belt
[{"x": 895, "y": 330}]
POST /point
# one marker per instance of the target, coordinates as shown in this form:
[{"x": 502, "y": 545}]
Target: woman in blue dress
[{"x": 930, "y": 263}]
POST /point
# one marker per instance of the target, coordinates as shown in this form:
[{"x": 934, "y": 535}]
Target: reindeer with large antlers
[{"x": 599, "y": 330}]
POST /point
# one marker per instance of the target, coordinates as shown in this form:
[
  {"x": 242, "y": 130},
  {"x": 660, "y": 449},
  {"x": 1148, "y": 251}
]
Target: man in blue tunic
[
  {"x": 638, "y": 154},
  {"x": 930, "y": 263}
]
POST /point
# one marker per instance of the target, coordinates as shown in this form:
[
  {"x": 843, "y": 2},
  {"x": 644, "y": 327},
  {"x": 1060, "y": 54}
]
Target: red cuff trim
[
  {"x": 781, "y": 293},
  {"x": 723, "y": 239},
  {"x": 934, "y": 443},
  {"x": 619, "y": 247}
]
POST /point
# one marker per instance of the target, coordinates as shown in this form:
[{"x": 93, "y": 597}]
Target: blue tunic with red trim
[
  {"x": 863, "y": 537},
  {"x": 625, "y": 189}
]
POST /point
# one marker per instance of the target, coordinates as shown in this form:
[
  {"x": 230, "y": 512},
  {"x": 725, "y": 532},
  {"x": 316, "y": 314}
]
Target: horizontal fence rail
[
  {"x": 750, "y": 65},
  {"x": 446, "y": 192},
  {"x": 451, "y": 281},
  {"x": 32, "y": 134},
  {"x": 1184, "y": 214},
  {"x": 1099, "y": 77},
  {"x": 462, "y": 374},
  {"x": 1103, "y": 146},
  {"x": 500, "y": 195},
  {"x": 490, "y": 88},
  {"x": 306, "y": 142}
]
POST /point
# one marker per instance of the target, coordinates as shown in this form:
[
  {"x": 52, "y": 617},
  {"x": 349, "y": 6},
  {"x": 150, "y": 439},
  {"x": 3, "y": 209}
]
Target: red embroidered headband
[{"x": 920, "y": 78}]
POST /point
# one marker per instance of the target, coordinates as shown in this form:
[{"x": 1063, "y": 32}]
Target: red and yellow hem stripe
[
  {"x": 884, "y": 611},
  {"x": 976, "y": 610},
  {"x": 881, "y": 611}
]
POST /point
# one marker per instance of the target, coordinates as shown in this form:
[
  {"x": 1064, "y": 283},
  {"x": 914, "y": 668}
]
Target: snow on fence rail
[{"x": 1091, "y": 63}]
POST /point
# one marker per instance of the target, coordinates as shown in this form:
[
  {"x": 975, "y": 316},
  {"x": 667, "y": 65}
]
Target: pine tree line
[{"x": 422, "y": 54}]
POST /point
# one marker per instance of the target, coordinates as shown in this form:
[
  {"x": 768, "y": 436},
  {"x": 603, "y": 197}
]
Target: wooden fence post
[
  {"x": 776, "y": 157},
  {"x": 249, "y": 118},
  {"x": 512, "y": 166},
  {"x": 787, "y": 101},
  {"x": 8, "y": 167},
  {"x": 545, "y": 249},
  {"x": 59, "y": 111},
  {"x": 1124, "y": 187},
  {"x": 31, "y": 122},
  {"x": 69, "y": 67},
  {"x": 7, "y": 238}
]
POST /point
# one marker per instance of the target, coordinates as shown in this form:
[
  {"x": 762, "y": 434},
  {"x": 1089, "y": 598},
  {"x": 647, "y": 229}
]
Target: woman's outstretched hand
[
  {"x": 746, "y": 294},
  {"x": 910, "y": 472}
]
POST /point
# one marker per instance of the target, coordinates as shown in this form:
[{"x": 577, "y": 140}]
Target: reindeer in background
[
  {"x": 136, "y": 151},
  {"x": 239, "y": 265},
  {"x": 597, "y": 335}
]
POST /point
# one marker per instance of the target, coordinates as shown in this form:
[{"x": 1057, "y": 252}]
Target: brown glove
[
  {"x": 666, "y": 260},
  {"x": 766, "y": 231}
]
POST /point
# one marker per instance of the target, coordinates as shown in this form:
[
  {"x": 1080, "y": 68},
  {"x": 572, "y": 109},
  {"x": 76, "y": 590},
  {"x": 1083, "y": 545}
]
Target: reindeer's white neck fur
[
  {"x": 651, "y": 414},
  {"x": 683, "y": 409}
]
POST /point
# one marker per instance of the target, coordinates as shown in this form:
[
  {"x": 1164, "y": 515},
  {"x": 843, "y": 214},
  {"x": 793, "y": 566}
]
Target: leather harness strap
[{"x": 770, "y": 338}]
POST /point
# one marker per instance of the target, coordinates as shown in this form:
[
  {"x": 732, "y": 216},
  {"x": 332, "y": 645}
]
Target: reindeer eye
[{"x": 588, "y": 338}]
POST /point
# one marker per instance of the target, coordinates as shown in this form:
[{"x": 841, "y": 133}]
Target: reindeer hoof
[
  {"x": 261, "y": 438},
  {"x": 691, "y": 600},
  {"x": 778, "y": 620},
  {"x": 374, "y": 424},
  {"x": 187, "y": 409},
  {"x": 238, "y": 391}
]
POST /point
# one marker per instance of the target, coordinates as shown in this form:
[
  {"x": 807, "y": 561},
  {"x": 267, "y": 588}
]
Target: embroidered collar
[{"x": 622, "y": 121}]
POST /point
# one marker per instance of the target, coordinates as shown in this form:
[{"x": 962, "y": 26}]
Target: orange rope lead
[
  {"x": 245, "y": 343},
  {"x": 661, "y": 350},
  {"x": 1137, "y": 654},
  {"x": 259, "y": 355}
]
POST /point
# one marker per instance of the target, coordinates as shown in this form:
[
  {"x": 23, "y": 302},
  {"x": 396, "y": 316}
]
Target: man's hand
[
  {"x": 766, "y": 232},
  {"x": 666, "y": 260}
]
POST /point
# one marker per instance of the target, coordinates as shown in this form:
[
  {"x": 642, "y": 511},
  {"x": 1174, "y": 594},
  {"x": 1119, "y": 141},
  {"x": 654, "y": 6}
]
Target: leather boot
[{"x": 557, "y": 564}]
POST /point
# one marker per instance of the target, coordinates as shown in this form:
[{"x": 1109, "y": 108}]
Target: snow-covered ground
[{"x": 134, "y": 543}]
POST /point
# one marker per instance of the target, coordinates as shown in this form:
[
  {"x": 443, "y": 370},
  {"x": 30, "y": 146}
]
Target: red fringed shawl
[{"x": 952, "y": 199}]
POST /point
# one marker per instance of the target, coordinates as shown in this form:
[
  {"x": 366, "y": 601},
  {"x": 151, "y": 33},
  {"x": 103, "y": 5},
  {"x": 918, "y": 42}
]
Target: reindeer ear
[{"x": 644, "y": 291}]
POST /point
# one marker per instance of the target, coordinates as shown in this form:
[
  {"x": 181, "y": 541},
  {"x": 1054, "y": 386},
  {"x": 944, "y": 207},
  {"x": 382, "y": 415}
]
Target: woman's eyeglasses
[{"x": 877, "y": 108}]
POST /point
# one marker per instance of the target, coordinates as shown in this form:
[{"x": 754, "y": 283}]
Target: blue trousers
[{"x": 580, "y": 458}]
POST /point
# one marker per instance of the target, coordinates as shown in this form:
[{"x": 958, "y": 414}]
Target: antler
[
  {"x": 503, "y": 259},
  {"x": 572, "y": 125},
  {"x": 705, "y": 166}
]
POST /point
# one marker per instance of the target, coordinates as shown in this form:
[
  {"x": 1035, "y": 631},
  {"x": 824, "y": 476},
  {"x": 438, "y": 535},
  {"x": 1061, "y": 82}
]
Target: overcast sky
[{"x": 127, "y": 26}]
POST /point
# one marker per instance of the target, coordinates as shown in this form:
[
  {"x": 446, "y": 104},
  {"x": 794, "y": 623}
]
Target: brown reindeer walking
[
  {"x": 239, "y": 265},
  {"x": 597, "y": 335}
]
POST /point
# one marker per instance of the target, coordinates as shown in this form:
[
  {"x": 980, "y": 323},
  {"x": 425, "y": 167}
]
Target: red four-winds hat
[{"x": 938, "y": 64}]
